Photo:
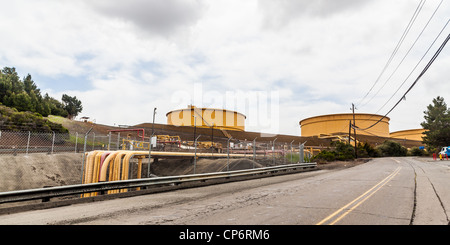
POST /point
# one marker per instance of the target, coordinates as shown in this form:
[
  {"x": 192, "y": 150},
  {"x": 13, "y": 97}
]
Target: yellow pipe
[
  {"x": 85, "y": 171},
  {"x": 115, "y": 170},
  {"x": 113, "y": 155},
  {"x": 126, "y": 166},
  {"x": 90, "y": 171},
  {"x": 97, "y": 162},
  {"x": 88, "y": 168},
  {"x": 118, "y": 167},
  {"x": 96, "y": 169},
  {"x": 117, "y": 163},
  {"x": 121, "y": 175},
  {"x": 104, "y": 168},
  {"x": 188, "y": 154},
  {"x": 111, "y": 169}
]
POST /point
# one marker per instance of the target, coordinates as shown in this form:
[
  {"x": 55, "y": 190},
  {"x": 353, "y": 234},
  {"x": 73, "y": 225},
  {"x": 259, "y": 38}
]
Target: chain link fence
[
  {"x": 14, "y": 142},
  {"x": 36, "y": 159},
  {"x": 20, "y": 142}
]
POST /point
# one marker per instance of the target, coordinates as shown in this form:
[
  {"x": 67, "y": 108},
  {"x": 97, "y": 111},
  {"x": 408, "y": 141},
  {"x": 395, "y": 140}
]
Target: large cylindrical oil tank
[
  {"x": 339, "y": 124},
  {"x": 207, "y": 118},
  {"x": 409, "y": 134}
]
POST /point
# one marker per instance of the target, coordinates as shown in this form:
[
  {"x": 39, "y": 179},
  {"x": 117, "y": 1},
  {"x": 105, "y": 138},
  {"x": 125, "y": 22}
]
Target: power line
[
  {"x": 401, "y": 62},
  {"x": 402, "y": 38},
  {"x": 401, "y": 85},
  {"x": 415, "y": 82}
]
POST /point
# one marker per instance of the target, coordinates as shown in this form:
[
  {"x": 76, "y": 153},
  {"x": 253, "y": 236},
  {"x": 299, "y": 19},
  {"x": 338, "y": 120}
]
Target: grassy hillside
[
  {"x": 81, "y": 127},
  {"x": 13, "y": 120}
]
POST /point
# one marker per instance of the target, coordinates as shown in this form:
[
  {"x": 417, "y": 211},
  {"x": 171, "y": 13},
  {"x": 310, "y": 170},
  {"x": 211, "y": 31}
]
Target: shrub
[
  {"x": 391, "y": 148},
  {"x": 13, "y": 120},
  {"x": 415, "y": 151},
  {"x": 325, "y": 155},
  {"x": 342, "y": 152},
  {"x": 366, "y": 150}
]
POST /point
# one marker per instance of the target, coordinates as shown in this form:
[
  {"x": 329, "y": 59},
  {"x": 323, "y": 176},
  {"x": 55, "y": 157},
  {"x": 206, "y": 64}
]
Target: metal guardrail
[{"x": 102, "y": 187}]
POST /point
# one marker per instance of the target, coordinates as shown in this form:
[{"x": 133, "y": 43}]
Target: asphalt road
[{"x": 387, "y": 191}]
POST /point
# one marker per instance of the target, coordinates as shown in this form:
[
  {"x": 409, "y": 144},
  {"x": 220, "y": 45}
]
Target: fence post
[
  {"x": 28, "y": 142},
  {"x": 245, "y": 148},
  {"x": 118, "y": 141},
  {"x": 109, "y": 140},
  {"x": 300, "y": 152},
  {"x": 291, "y": 150},
  {"x": 228, "y": 154},
  {"x": 93, "y": 142},
  {"x": 76, "y": 141},
  {"x": 149, "y": 154},
  {"x": 273, "y": 151},
  {"x": 84, "y": 153},
  {"x": 53, "y": 141},
  {"x": 195, "y": 152},
  {"x": 254, "y": 152}
]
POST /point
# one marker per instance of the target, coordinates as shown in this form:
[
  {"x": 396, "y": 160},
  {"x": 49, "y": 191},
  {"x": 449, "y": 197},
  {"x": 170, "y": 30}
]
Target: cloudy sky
[{"x": 278, "y": 62}]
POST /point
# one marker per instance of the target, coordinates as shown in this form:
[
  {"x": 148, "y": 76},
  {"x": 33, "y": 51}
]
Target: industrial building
[
  {"x": 340, "y": 124},
  {"x": 410, "y": 134},
  {"x": 207, "y": 118}
]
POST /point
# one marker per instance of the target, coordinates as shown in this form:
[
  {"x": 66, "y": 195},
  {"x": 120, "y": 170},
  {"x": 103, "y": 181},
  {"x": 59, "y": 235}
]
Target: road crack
[
  {"x": 413, "y": 215},
  {"x": 440, "y": 201},
  {"x": 415, "y": 195}
]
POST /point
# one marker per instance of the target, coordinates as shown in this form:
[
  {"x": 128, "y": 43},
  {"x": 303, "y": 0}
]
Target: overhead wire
[
  {"x": 423, "y": 56},
  {"x": 399, "y": 43},
  {"x": 404, "y": 57},
  {"x": 416, "y": 80}
]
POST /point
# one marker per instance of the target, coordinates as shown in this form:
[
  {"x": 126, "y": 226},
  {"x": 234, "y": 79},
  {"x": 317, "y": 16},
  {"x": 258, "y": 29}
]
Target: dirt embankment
[{"x": 38, "y": 170}]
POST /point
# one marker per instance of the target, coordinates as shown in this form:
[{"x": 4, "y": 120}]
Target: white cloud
[{"x": 152, "y": 16}]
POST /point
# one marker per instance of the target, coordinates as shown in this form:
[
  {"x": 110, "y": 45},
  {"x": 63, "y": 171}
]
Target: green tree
[
  {"x": 9, "y": 84},
  {"x": 56, "y": 108},
  {"x": 437, "y": 124},
  {"x": 72, "y": 105},
  {"x": 30, "y": 86},
  {"x": 13, "y": 80},
  {"x": 22, "y": 101},
  {"x": 26, "y": 96}
]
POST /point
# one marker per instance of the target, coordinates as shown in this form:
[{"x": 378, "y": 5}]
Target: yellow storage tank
[
  {"x": 339, "y": 124},
  {"x": 207, "y": 117},
  {"x": 409, "y": 134}
]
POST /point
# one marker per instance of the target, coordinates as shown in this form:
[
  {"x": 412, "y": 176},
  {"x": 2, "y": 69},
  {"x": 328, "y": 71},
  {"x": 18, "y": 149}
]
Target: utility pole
[
  {"x": 354, "y": 129},
  {"x": 150, "y": 144},
  {"x": 349, "y": 131},
  {"x": 153, "y": 123},
  {"x": 195, "y": 126},
  {"x": 212, "y": 139}
]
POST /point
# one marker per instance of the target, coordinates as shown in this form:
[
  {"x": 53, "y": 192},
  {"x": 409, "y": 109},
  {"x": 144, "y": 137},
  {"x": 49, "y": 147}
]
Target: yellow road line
[{"x": 379, "y": 185}]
